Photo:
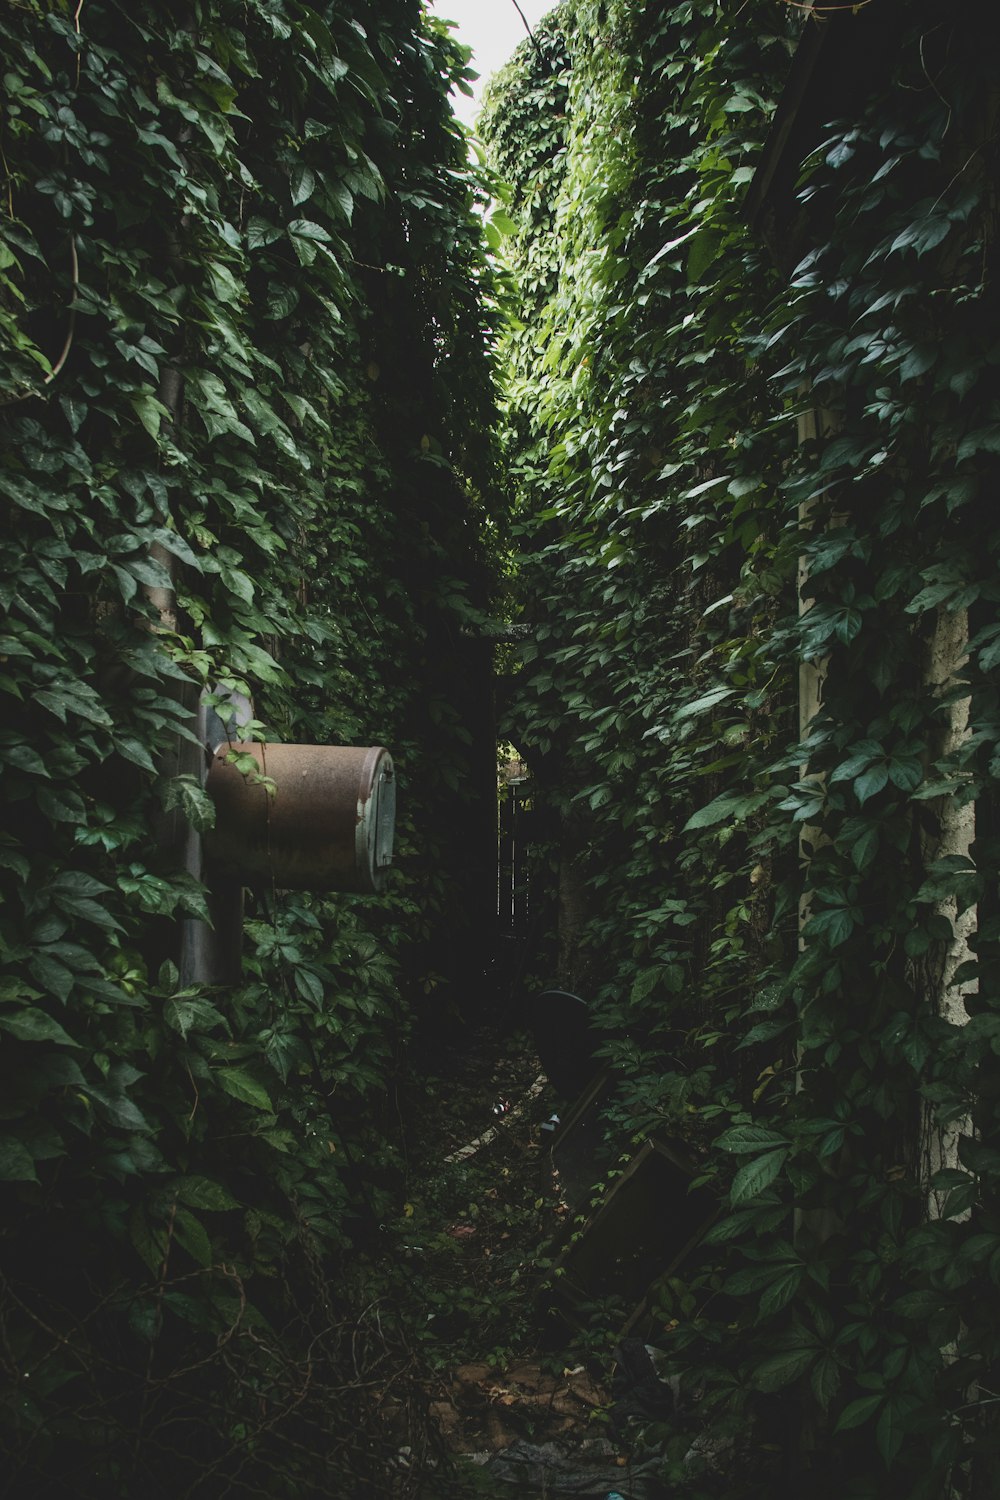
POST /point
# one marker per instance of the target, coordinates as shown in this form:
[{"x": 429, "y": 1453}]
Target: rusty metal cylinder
[{"x": 326, "y": 825}]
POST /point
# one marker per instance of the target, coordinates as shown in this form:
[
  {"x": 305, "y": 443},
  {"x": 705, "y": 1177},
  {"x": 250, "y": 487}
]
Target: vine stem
[
  {"x": 155, "y": 1331},
  {"x": 825, "y": 10},
  {"x": 76, "y": 23},
  {"x": 531, "y": 34},
  {"x": 10, "y": 182},
  {"x": 71, "y": 330}
]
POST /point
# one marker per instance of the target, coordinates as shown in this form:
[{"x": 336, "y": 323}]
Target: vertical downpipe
[{"x": 208, "y": 954}]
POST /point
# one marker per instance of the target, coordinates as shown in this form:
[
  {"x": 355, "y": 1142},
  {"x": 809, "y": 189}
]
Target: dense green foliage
[
  {"x": 244, "y": 442},
  {"x": 770, "y": 929}
]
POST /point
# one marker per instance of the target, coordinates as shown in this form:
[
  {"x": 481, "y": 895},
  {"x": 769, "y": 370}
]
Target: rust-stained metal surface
[{"x": 328, "y": 826}]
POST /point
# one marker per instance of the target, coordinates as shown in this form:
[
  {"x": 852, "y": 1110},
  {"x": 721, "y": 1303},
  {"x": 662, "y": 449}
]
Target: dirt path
[{"x": 516, "y": 1394}]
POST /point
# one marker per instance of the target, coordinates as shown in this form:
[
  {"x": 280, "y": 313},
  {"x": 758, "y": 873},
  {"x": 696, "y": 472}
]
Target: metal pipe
[{"x": 313, "y": 817}]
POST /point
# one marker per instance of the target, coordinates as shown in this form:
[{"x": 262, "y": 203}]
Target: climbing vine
[
  {"x": 245, "y": 413},
  {"x": 747, "y": 460}
]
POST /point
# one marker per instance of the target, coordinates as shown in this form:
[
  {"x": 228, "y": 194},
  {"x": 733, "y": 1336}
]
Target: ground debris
[
  {"x": 525, "y": 1408},
  {"x": 540, "y": 1422},
  {"x": 588, "y": 1471}
]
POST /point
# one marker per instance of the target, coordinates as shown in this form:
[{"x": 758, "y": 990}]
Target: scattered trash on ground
[{"x": 505, "y": 1114}]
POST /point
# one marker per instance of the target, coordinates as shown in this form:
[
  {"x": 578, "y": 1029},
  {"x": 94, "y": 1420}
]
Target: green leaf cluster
[
  {"x": 245, "y": 415},
  {"x": 734, "y": 470}
]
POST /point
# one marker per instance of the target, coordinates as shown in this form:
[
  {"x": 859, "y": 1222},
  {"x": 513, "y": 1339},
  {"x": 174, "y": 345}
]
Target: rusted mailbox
[{"x": 326, "y": 825}]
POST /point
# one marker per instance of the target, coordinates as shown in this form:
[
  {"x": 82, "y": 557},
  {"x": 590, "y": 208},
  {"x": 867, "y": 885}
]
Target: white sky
[{"x": 493, "y": 29}]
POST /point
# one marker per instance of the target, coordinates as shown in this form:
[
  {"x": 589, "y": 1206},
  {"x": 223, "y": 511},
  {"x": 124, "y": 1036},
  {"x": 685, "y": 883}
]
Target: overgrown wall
[
  {"x": 244, "y": 444},
  {"x": 751, "y": 473}
]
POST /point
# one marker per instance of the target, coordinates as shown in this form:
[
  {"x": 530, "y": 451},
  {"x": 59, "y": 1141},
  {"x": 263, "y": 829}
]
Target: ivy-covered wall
[
  {"x": 244, "y": 444},
  {"x": 755, "y": 475}
]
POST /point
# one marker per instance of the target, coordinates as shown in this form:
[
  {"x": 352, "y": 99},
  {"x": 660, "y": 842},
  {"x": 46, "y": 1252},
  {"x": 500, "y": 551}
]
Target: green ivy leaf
[
  {"x": 242, "y": 1086},
  {"x": 16, "y": 1161},
  {"x": 746, "y": 1138},
  {"x": 707, "y": 701},
  {"x": 33, "y": 1025},
  {"x": 191, "y": 1234},
  {"x": 303, "y": 184},
  {"x": 261, "y": 233},
  {"x": 730, "y": 806},
  {"x": 781, "y": 1369},
  {"x": 860, "y": 1411},
  {"x": 201, "y": 1192},
  {"x": 825, "y": 1381},
  {"x": 309, "y": 985},
  {"x": 764, "y": 1031},
  {"x": 871, "y": 782},
  {"x": 306, "y": 229},
  {"x": 752, "y": 1179},
  {"x": 150, "y": 412},
  {"x": 185, "y": 1016},
  {"x": 149, "y": 1240},
  {"x": 189, "y": 797},
  {"x": 54, "y": 977}
]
